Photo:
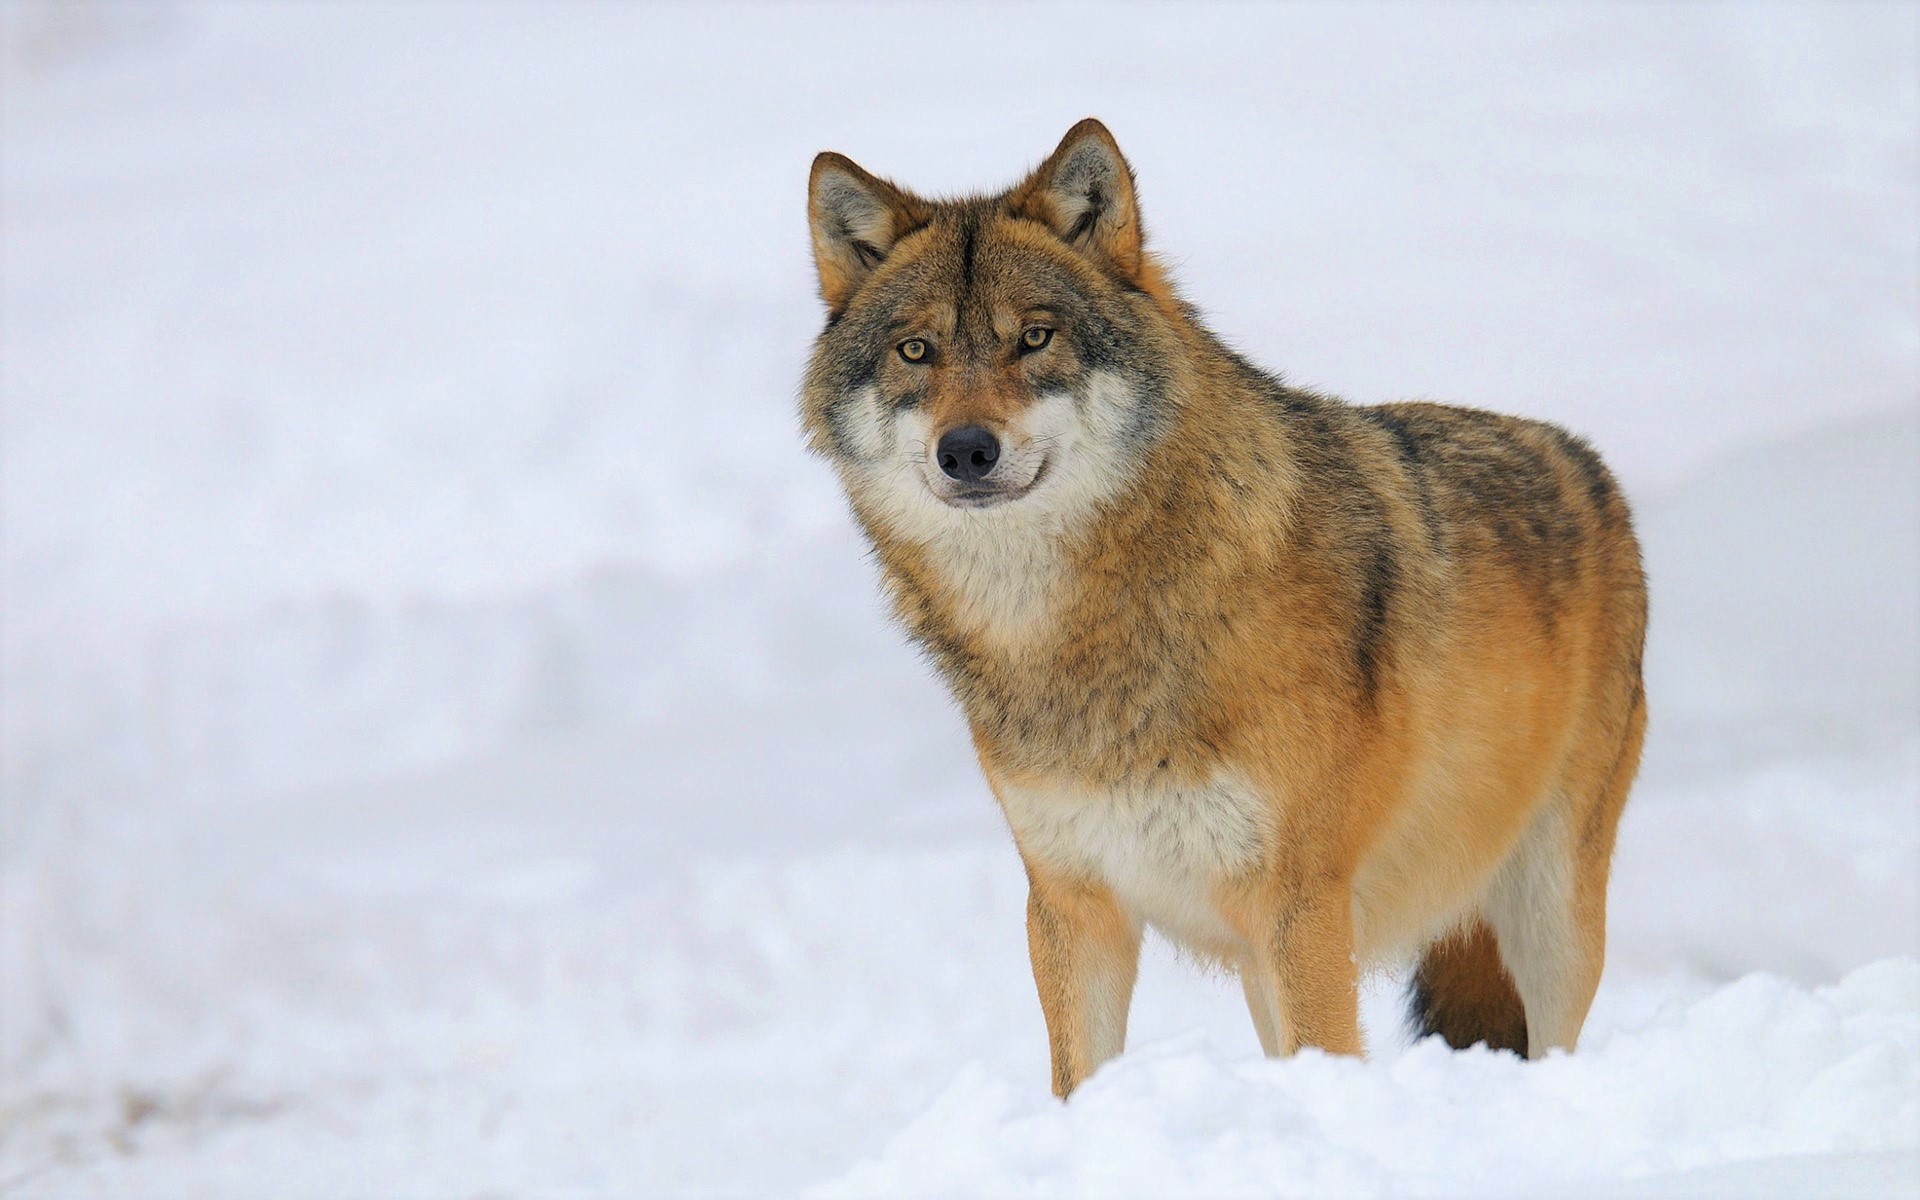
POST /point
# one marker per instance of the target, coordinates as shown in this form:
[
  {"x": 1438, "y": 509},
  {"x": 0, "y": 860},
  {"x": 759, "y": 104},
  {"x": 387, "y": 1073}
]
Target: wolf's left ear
[
  {"x": 1084, "y": 193},
  {"x": 856, "y": 219}
]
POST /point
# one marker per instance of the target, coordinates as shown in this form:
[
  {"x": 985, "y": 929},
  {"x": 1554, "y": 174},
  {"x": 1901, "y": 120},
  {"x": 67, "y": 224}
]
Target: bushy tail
[{"x": 1462, "y": 992}]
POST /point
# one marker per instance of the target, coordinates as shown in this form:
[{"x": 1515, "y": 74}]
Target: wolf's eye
[
  {"x": 1035, "y": 337},
  {"x": 913, "y": 350}
]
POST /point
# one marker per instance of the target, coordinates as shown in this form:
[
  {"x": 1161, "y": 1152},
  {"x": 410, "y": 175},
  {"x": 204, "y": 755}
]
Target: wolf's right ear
[{"x": 856, "y": 219}]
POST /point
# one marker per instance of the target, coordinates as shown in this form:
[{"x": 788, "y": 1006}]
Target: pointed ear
[
  {"x": 1084, "y": 193},
  {"x": 856, "y": 219}
]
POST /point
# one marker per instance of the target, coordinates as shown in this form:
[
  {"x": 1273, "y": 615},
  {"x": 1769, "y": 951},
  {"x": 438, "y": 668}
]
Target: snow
[
  {"x": 449, "y": 742},
  {"x": 1760, "y": 1068}
]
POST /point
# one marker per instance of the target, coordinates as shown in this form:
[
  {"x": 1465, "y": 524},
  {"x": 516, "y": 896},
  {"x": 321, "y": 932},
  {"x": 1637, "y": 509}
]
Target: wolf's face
[{"x": 998, "y": 354}]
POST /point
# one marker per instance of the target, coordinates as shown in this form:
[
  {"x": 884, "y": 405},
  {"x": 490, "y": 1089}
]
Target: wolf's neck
[
  {"x": 1005, "y": 586},
  {"x": 1067, "y": 645}
]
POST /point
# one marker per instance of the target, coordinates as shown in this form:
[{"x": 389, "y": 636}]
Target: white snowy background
[{"x": 452, "y": 747}]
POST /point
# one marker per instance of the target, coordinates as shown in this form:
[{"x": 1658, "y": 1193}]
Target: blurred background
[{"x": 449, "y": 722}]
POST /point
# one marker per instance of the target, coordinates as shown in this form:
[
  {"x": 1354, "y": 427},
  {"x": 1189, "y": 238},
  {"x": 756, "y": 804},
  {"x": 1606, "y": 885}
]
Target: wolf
[{"x": 1306, "y": 686}]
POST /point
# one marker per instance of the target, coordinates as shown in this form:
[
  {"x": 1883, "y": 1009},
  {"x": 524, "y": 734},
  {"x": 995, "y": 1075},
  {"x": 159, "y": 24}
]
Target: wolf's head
[{"x": 990, "y": 359}]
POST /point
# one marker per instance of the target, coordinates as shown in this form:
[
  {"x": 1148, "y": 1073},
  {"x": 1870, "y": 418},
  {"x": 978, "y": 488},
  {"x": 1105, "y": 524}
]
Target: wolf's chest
[{"x": 1164, "y": 850}]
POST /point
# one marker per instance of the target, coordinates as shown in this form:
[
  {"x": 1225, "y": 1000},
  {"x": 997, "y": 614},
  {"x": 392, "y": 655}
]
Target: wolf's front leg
[
  {"x": 1304, "y": 977},
  {"x": 1086, "y": 951}
]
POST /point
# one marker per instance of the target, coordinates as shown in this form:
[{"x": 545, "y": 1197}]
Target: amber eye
[
  {"x": 1036, "y": 336},
  {"x": 913, "y": 349}
]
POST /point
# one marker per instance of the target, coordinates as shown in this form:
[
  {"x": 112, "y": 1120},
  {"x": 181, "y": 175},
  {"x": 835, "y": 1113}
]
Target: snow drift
[{"x": 1758, "y": 1070}]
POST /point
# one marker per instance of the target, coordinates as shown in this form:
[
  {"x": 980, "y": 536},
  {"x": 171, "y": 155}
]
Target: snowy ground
[{"x": 451, "y": 747}]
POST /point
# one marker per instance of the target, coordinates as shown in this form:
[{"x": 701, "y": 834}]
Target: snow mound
[{"x": 1758, "y": 1070}]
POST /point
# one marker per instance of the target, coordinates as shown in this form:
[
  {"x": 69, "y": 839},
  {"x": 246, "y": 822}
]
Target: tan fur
[{"x": 1302, "y": 685}]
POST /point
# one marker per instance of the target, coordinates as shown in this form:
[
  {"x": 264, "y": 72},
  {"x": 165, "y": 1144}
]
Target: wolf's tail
[{"x": 1462, "y": 992}]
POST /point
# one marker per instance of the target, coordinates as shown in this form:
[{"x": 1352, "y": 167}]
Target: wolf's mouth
[{"x": 989, "y": 497}]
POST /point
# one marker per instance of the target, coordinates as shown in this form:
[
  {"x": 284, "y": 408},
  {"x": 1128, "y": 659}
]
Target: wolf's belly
[{"x": 1163, "y": 850}]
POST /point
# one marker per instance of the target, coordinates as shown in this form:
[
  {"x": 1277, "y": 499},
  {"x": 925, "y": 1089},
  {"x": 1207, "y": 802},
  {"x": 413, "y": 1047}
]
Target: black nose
[{"x": 968, "y": 453}]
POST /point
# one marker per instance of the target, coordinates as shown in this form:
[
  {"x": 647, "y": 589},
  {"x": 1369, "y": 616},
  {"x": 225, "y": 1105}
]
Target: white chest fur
[
  {"x": 1005, "y": 579},
  {"x": 1162, "y": 849}
]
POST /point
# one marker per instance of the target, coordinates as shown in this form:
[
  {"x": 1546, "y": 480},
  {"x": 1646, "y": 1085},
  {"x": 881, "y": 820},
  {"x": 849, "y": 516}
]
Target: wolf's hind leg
[
  {"x": 1547, "y": 904},
  {"x": 1553, "y": 946}
]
